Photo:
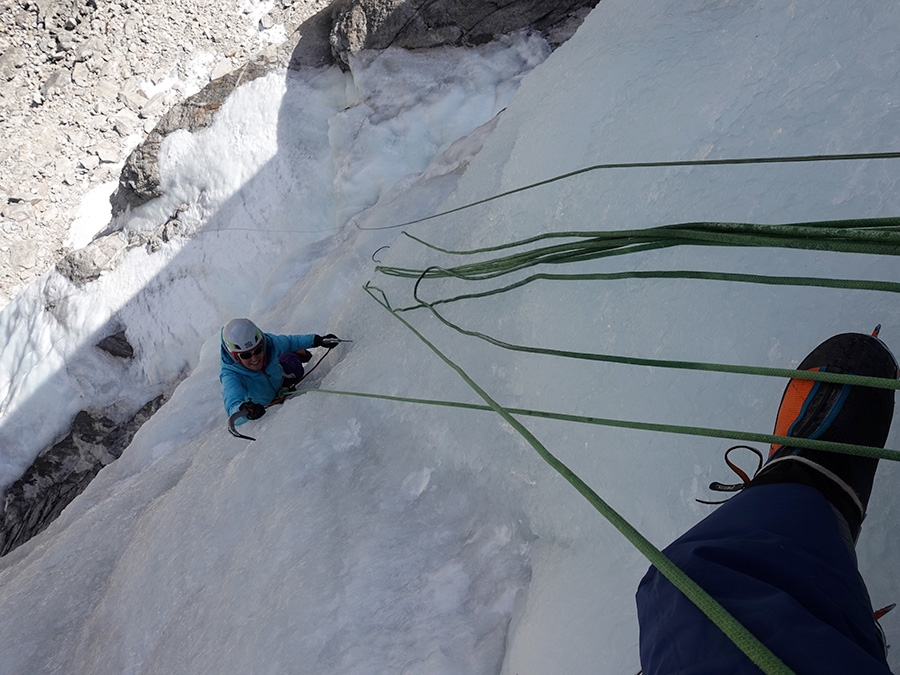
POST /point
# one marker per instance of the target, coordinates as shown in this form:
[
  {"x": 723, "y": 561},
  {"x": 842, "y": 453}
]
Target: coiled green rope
[
  {"x": 768, "y": 280},
  {"x": 866, "y": 235},
  {"x": 879, "y": 236}
]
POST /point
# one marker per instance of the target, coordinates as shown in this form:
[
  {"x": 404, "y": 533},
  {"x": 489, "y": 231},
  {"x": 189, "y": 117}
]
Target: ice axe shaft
[{"x": 330, "y": 343}]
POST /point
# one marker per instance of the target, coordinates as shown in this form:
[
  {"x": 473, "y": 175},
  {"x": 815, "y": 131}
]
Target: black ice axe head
[{"x": 234, "y": 432}]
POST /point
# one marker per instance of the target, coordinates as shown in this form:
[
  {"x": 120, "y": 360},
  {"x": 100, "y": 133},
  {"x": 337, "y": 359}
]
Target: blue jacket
[
  {"x": 240, "y": 384},
  {"x": 774, "y": 558}
]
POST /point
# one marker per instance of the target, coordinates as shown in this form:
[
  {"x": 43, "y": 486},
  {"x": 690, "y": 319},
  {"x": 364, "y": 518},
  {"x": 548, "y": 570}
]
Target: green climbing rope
[
  {"x": 650, "y": 165},
  {"x": 866, "y": 235},
  {"x": 706, "y": 432},
  {"x": 879, "y": 236},
  {"x": 757, "y": 652},
  {"x": 768, "y": 280},
  {"x": 817, "y": 376}
]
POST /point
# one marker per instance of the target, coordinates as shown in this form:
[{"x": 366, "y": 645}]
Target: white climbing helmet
[{"x": 240, "y": 335}]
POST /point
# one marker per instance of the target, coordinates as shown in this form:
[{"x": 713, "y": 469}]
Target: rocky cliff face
[
  {"x": 63, "y": 471},
  {"x": 82, "y": 82},
  {"x": 86, "y": 47},
  {"x": 418, "y": 24},
  {"x": 337, "y": 32}
]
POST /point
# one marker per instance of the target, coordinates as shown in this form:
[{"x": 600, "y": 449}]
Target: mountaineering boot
[{"x": 835, "y": 412}]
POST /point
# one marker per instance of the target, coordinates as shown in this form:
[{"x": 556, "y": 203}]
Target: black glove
[
  {"x": 330, "y": 340},
  {"x": 254, "y": 410}
]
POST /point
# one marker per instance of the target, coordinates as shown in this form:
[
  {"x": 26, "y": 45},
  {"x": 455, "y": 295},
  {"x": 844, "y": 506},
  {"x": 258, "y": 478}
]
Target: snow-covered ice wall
[{"x": 359, "y": 535}]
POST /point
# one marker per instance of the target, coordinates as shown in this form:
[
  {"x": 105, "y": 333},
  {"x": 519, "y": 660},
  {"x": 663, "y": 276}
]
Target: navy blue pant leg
[
  {"x": 292, "y": 367},
  {"x": 774, "y": 557}
]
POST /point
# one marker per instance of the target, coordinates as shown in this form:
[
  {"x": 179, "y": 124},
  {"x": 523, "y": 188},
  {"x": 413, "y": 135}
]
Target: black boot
[{"x": 835, "y": 412}]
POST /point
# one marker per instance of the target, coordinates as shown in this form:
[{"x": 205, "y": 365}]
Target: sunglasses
[{"x": 249, "y": 354}]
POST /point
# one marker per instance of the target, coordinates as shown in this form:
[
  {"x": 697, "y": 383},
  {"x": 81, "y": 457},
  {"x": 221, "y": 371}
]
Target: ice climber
[
  {"x": 257, "y": 366},
  {"x": 780, "y": 555}
]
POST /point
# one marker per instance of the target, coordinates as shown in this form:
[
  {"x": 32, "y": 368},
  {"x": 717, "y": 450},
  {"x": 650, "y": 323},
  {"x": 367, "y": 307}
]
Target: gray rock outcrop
[
  {"x": 139, "y": 179},
  {"x": 417, "y": 24},
  {"x": 63, "y": 471}
]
